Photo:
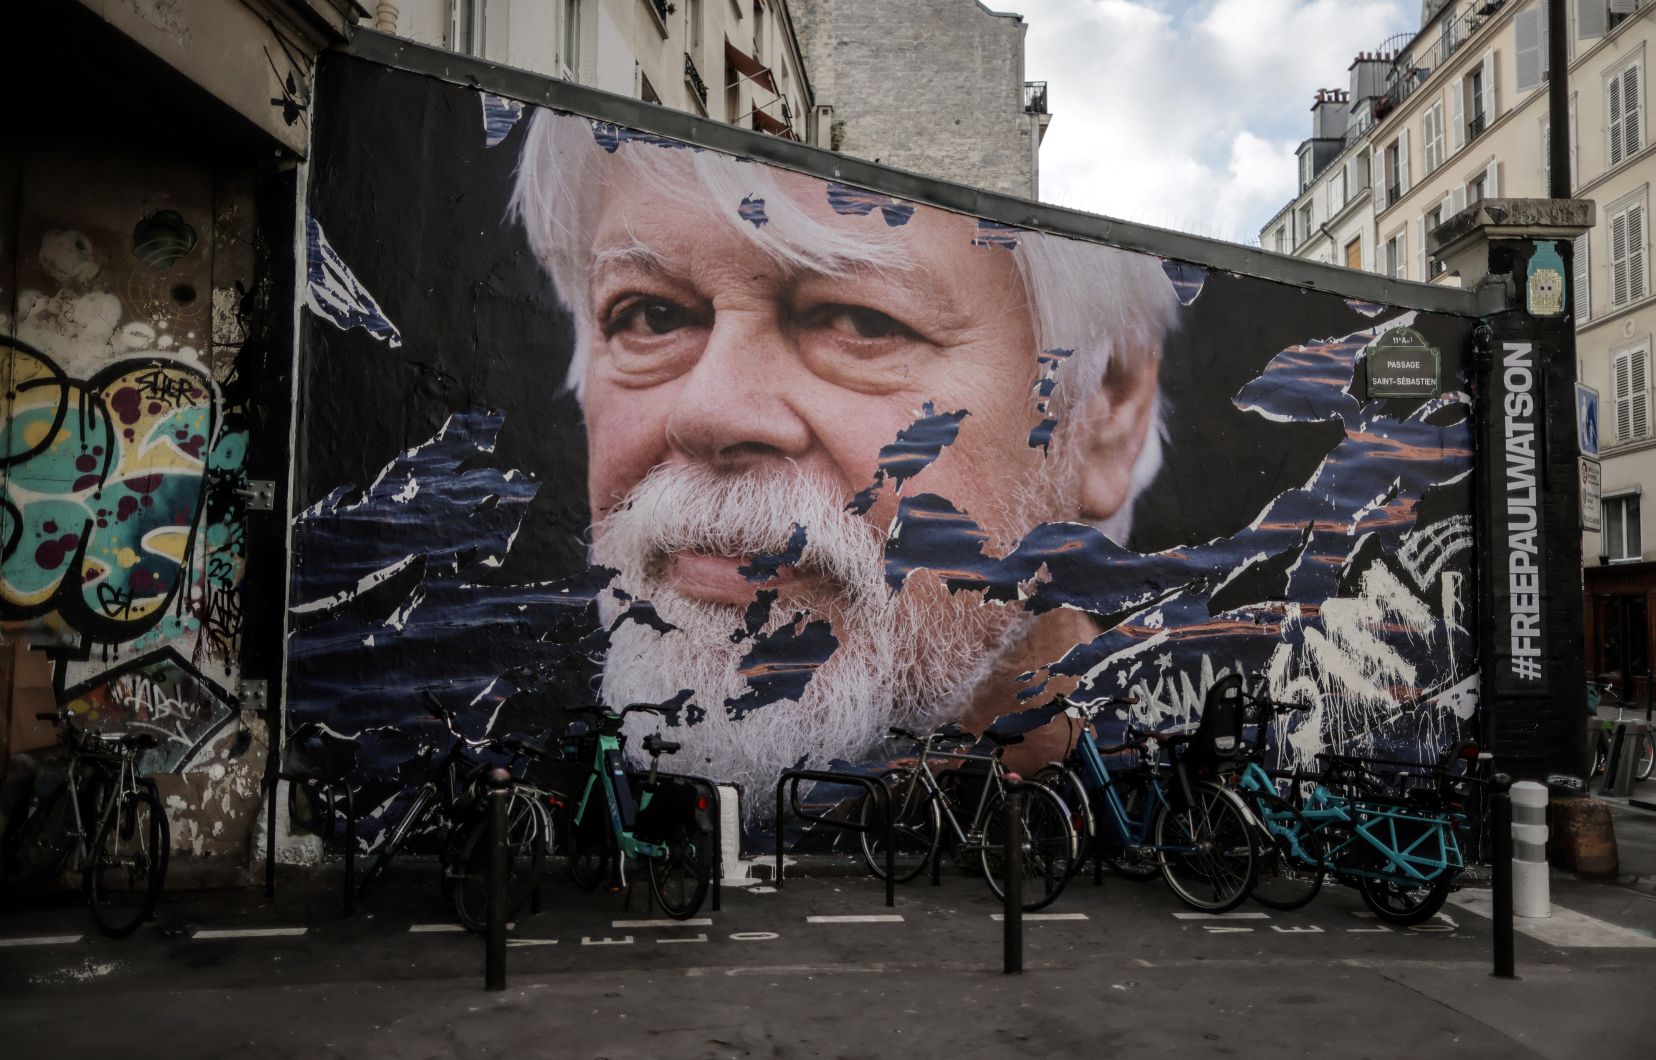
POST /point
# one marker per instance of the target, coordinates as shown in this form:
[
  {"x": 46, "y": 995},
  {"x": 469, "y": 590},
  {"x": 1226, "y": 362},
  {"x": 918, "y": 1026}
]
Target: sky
[{"x": 1185, "y": 114}]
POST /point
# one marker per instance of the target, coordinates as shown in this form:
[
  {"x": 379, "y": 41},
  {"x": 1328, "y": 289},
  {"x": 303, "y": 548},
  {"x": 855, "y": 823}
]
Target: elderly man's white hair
[{"x": 1101, "y": 302}]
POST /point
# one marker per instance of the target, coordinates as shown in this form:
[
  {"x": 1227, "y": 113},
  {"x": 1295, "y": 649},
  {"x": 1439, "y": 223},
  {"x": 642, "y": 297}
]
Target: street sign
[
  {"x": 1592, "y": 491},
  {"x": 1587, "y": 420},
  {"x": 1402, "y": 365}
]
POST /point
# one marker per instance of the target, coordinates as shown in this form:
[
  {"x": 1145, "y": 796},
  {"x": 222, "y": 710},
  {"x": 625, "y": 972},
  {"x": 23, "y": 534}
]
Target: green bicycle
[{"x": 667, "y": 826}]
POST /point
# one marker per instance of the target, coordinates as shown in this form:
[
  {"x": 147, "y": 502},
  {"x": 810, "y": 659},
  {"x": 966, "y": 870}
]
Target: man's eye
[
  {"x": 860, "y": 322},
  {"x": 650, "y": 316}
]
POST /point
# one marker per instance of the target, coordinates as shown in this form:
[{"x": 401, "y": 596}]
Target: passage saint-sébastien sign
[{"x": 1402, "y": 365}]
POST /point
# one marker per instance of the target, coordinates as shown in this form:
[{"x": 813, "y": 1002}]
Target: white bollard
[{"x": 1531, "y": 890}]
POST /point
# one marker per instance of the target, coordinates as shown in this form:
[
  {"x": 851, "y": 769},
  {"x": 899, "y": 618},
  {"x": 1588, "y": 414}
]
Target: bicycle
[
  {"x": 1644, "y": 753},
  {"x": 667, "y": 826},
  {"x": 1173, "y": 821},
  {"x": 920, "y": 802},
  {"x": 1368, "y": 822},
  {"x": 104, "y": 823},
  {"x": 452, "y": 790}
]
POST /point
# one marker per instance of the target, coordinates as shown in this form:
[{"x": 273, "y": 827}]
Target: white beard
[{"x": 910, "y": 658}]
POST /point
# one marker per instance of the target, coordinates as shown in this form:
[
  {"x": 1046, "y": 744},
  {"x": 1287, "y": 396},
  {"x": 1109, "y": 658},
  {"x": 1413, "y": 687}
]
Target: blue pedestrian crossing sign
[{"x": 1587, "y": 420}]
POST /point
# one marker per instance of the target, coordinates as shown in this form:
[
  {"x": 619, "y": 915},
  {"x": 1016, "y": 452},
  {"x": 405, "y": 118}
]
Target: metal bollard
[
  {"x": 1500, "y": 814},
  {"x": 1531, "y": 893},
  {"x": 494, "y": 964},
  {"x": 1012, "y": 884}
]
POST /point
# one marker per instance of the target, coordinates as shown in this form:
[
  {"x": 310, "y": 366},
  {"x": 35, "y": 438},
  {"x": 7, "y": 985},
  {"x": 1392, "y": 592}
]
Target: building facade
[
  {"x": 1463, "y": 116},
  {"x": 932, "y": 86},
  {"x": 736, "y": 61}
]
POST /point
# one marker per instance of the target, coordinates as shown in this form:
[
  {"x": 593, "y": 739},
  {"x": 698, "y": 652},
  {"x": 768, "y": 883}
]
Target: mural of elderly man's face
[{"x": 732, "y": 395}]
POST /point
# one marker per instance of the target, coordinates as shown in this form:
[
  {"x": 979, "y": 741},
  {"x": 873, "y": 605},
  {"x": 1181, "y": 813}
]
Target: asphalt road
[{"x": 784, "y": 974}]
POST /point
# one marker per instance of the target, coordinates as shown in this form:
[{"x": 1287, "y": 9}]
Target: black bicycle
[{"x": 104, "y": 824}]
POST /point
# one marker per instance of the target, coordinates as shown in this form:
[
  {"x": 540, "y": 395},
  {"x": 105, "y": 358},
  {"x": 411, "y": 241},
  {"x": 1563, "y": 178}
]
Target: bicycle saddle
[
  {"x": 141, "y": 741},
  {"x": 656, "y": 746}
]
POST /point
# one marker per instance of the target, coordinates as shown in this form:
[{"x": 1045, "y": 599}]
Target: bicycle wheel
[
  {"x": 916, "y": 827},
  {"x": 1048, "y": 846},
  {"x": 1125, "y": 861},
  {"x": 1206, "y": 850},
  {"x": 527, "y": 829},
  {"x": 589, "y": 848},
  {"x": 679, "y": 878},
  {"x": 129, "y": 861},
  {"x": 1292, "y": 858},
  {"x": 1406, "y": 904},
  {"x": 1644, "y": 762},
  {"x": 44, "y": 846},
  {"x": 392, "y": 843},
  {"x": 1068, "y": 787}
]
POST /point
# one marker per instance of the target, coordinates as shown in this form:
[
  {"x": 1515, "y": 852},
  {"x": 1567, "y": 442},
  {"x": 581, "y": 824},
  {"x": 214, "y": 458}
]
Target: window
[
  {"x": 1354, "y": 253},
  {"x": 1433, "y": 220},
  {"x": 1336, "y": 192},
  {"x": 1305, "y": 168},
  {"x": 1624, "y": 103},
  {"x": 1630, "y": 392},
  {"x": 759, "y": 30},
  {"x": 693, "y": 28},
  {"x": 1627, "y": 252},
  {"x": 1394, "y": 171},
  {"x": 467, "y": 30},
  {"x": 1304, "y": 222},
  {"x": 646, "y": 91},
  {"x": 572, "y": 38},
  {"x": 1433, "y": 138},
  {"x": 1397, "y": 249},
  {"x": 1476, "y": 120},
  {"x": 1357, "y": 173},
  {"x": 1622, "y": 539},
  {"x": 1281, "y": 240}
]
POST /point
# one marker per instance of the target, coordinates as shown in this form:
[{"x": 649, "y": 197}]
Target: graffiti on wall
[
  {"x": 119, "y": 518},
  {"x": 838, "y": 467}
]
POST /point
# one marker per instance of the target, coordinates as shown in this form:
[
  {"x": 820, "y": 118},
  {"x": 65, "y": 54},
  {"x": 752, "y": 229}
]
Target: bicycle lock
[
  {"x": 1500, "y": 816},
  {"x": 1012, "y": 866},
  {"x": 494, "y": 961}
]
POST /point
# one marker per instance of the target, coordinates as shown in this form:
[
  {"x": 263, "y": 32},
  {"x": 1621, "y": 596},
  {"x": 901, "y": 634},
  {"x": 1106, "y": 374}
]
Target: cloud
[{"x": 1186, "y": 113}]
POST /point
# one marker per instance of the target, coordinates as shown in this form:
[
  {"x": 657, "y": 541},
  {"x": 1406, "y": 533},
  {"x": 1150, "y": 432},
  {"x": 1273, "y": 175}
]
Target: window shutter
[
  {"x": 1623, "y": 7},
  {"x": 1446, "y": 210},
  {"x": 1638, "y": 395},
  {"x": 1620, "y": 386},
  {"x": 1403, "y": 254},
  {"x": 1526, "y": 29},
  {"x": 1489, "y": 97},
  {"x": 1492, "y": 181},
  {"x": 1591, "y": 19},
  {"x": 1615, "y": 111},
  {"x": 1420, "y": 248},
  {"x": 1618, "y": 259},
  {"x": 1545, "y": 18},
  {"x": 1546, "y": 154},
  {"x": 1635, "y": 252},
  {"x": 1583, "y": 294},
  {"x": 1458, "y": 197},
  {"x": 1457, "y": 113},
  {"x": 1575, "y": 168},
  {"x": 1403, "y": 162},
  {"x": 1631, "y": 138}
]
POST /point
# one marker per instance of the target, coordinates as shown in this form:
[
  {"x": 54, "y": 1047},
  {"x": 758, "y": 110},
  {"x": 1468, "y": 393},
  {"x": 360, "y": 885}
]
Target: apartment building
[
  {"x": 731, "y": 60},
  {"x": 1463, "y": 115}
]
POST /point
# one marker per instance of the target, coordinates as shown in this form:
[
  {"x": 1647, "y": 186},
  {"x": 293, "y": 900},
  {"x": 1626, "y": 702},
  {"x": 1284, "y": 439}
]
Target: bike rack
[
  {"x": 789, "y": 782},
  {"x": 718, "y": 827}
]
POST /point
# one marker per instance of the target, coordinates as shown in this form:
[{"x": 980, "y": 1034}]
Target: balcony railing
[
  {"x": 663, "y": 8},
  {"x": 1475, "y": 126},
  {"x": 692, "y": 75},
  {"x": 1035, "y": 97},
  {"x": 1394, "y": 193}
]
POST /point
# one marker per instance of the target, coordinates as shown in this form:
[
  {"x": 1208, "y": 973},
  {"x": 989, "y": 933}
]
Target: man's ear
[{"x": 1116, "y": 423}]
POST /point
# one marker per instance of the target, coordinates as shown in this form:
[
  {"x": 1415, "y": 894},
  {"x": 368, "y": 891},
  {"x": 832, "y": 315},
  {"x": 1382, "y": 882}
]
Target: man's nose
[{"x": 736, "y": 407}]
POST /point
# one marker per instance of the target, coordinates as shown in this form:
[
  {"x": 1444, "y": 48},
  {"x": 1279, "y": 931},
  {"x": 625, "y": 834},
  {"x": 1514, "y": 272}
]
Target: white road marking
[
  {"x": 624, "y": 940},
  {"x": 697, "y": 938},
  {"x": 1043, "y": 916},
  {"x": 753, "y": 936},
  {"x": 865, "y": 918},
  {"x": 700, "y": 921},
  {"x": 1378, "y": 929},
  {"x": 1220, "y": 929},
  {"x": 42, "y": 940},
  {"x": 531, "y": 942},
  {"x": 1566, "y": 928},
  {"x": 433, "y": 929},
  {"x": 1308, "y": 929},
  {"x": 1222, "y": 916},
  {"x": 249, "y": 933}
]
